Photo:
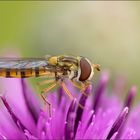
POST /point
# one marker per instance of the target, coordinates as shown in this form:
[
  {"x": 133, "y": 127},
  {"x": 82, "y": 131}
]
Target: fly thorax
[
  {"x": 73, "y": 71},
  {"x": 72, "y": 74},
  {"x": 52, "y": 60}
]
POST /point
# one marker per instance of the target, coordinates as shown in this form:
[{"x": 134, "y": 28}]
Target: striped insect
[{"x": 79, "y": 70}]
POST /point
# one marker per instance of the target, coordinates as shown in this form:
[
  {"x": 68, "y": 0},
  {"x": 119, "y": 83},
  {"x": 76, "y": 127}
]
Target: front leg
[
  {"x": 81, "y": 85},
  {"x": 76, "y": 84},
  {"x": 84, "y": 86}
]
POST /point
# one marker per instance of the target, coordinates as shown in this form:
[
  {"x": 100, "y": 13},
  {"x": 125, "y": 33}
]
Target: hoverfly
[{"x": 76, "y": 68}]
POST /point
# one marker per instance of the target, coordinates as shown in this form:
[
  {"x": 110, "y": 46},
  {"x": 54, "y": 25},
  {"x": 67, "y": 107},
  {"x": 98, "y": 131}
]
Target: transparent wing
[{"x": 22, "y": 63}]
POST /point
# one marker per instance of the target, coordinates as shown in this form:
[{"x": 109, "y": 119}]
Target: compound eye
[{"x": 86, "y": 69}]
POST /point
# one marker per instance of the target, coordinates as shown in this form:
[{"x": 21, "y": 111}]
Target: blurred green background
[{"x": 107, "y": 33}]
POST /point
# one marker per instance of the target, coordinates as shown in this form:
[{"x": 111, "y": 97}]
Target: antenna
[{"x": 97, "y": 67}]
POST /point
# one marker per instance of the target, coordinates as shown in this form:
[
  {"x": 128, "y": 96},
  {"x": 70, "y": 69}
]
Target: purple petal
[
  {"x": 31, "y": 101},
  {"x": 133, "y": 123},
  {"x": 82, "y": 103},
  {"x": 129, "y": 133},
  {"x": 118, "y": 123},
  {"x": 44, "y": 126},
  {"x": 114, "y": 136},
  {"x": 7, "y": 124},
  {"x": 86, "y": 118},
  {"x": 15, "y": 119},
  {"x": 48, "y": 130},
  {"x": 41, "y": 124},
  {"x": 2, "y": 137},
  {"x": 128, "y": 103},
  {"x": 87, "y": 115},
  {"x": 29, "y": 136},
  {"x": 60, "y": 94},
  {"x": 100, "y": 90},
  {"x": 13, "y": 116},
  {"x": 88, "y": 133},
  {"x": 13, "y": 90},
  {"x": 130, "y": 97},
  {"x": 70, "y": 120}
]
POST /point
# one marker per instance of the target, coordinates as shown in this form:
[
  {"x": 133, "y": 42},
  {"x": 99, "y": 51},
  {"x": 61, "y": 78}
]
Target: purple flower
[{"x": 104, "y": 114}]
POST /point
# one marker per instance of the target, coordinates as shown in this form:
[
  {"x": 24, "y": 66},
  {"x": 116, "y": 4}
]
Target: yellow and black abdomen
[
  {"x": 23, "y": 73},
  {"x": 23, "y": 68}
]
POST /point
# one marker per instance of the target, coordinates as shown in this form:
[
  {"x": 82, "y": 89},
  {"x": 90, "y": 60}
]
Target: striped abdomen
[{"x": 23, "y": 73}]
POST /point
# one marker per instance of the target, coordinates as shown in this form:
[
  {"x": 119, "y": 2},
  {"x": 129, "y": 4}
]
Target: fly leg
[
  {"x": 46, "y": 103},
  {"x": 50, "y": 87},
  {"x": 84, "y": 86},
  {"x": 48, "y": 81},
  {"x": 69, "y": 94},
  {"x": 66, "y": 90},
  {"x": 44, "y": 91},
  {"x": 80, "y": 86},
  {"x": 45, "y": 82},
  {"x": 76, "y": 84},
  {"x": 52, "y": 83}
]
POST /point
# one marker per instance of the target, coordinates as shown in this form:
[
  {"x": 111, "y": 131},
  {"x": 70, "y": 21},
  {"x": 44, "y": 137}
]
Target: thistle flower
[{"x": 104, "y": 115}]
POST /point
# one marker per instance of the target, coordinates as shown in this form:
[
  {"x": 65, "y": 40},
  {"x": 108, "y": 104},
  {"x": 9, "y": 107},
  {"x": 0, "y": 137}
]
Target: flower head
[{"x": 97, "y": 114}]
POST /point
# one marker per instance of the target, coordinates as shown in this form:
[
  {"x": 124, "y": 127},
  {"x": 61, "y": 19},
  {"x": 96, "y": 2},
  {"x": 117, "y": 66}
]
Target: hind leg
[
  {"x": 46, "y": 103},
  {"x": 46, "y": 90}
]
